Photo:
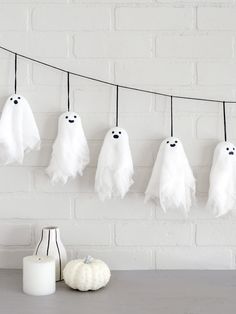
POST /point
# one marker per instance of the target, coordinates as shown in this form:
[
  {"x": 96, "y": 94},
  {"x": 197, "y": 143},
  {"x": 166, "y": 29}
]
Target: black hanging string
[
  {"x": 117, "y": 105},
  {"x": 15, "y": 87},
  {"x": 171, "y": 116},
  {"x": 68, "y": 90},
  {"x": 224, "y": 117},
  {"x": 113, "y": 84}
]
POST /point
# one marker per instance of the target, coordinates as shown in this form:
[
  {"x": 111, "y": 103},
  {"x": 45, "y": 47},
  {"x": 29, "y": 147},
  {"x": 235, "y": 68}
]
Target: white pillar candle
[{"x": 39, "y": 275}]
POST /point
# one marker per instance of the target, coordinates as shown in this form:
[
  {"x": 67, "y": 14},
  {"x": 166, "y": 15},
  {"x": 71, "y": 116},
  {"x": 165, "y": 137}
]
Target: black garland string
[
  {"x": 113, "y": 84},
  {"x": 224, "y": 118},
  {"x": 15, "y": 87},
  {"x": 117, "y": 105},
  {"x": 171, "y": 116},
  {"x": 68, "y": 90}
]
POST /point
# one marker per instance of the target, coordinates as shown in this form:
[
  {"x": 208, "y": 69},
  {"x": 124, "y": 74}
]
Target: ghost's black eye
[
  {"x": 227, "y": 148},
  {"x": 66, "y": 117},
  {"x": 113, "y": 132},
  {"x": 176, "y": 141},
  {"x": 75, "y": 116},
  {"x": 167, "y": 142},
  {"x": 11, "y": 98},
  {"x": 233, "y": 148},
  {"x": 18, "y": 97},
  {"x": 119, "y": 132}
]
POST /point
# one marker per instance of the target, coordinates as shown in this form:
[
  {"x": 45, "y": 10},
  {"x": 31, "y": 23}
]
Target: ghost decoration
[
  {"x": 222, "y": 190},
  {"x": 172, "y": 180},
  {"x": 18, "y": 130},
  {"x": 115, "y": 166},
  {"x": 70, "y": 153}
]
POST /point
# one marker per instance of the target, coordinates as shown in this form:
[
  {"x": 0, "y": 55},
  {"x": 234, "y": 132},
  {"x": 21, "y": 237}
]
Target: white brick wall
[
  {"x": 68, "y": 18},
  {"x": 184, "y": 47},
  {"x": 154, "y": 18}
]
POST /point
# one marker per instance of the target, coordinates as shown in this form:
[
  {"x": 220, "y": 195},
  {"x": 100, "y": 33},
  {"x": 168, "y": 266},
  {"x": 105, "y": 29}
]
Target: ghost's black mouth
[
  {"x": 231, "y": 153},
  {"x": 172, "y": 145},
  {"x": 16, "y": 102},
  {"x": 115, "y": 136},
  {"x": 71, "y": 121}
]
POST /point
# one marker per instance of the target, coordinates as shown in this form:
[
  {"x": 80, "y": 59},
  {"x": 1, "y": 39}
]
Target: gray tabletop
[{"x": 146, "y": 292}]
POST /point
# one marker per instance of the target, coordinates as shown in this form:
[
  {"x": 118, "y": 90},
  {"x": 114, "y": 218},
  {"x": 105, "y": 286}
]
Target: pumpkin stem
[{"x": 88, "y": 259}]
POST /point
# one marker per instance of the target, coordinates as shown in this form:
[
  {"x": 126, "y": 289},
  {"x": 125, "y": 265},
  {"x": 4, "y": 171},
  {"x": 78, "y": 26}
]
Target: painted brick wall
[{"x": 185, "y": 47}]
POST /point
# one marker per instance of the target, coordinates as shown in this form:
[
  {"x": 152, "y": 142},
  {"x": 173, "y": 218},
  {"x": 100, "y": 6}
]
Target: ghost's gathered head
[
  {"x": 172, "y": 180},
  {"x": 171, "y": 151},
  {"x": 222, "y": 190},
  {"x": 69, "y": 121},
  {"x": 70, "y": 150},
  {"x": 115, "y": 167},
  {"x": 69, "y": 118},
  {"x": 172, "y": 142},
  {"x": 116, "y": 137},
  {"x": 225, "y": 151},
  {"x": 18, "y": 130},
  {"x": 16, "y": 99},
  {"x": 172, "y": 147},
  {"x": 118, "y": 133}
]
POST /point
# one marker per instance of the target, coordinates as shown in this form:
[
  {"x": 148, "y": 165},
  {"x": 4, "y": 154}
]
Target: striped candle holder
[{"x": 50, "y": 245}]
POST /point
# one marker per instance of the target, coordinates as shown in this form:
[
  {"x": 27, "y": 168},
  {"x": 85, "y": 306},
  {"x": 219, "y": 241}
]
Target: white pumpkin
[{"x": 86, "y": 274}]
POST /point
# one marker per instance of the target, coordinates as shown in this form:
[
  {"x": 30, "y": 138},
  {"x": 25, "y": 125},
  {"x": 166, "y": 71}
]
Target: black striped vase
[{"x": 50, "y": 245}]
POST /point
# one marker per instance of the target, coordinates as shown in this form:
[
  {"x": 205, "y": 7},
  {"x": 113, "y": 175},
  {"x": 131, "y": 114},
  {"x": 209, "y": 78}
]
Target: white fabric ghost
[
  {"x": 115, "y": 166},
  {"x": 18, "y": 130},
  {"x": 70, "y": 153},
  {"x": 172, "y": 180},
  {"x": 222, "y": 190}
]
